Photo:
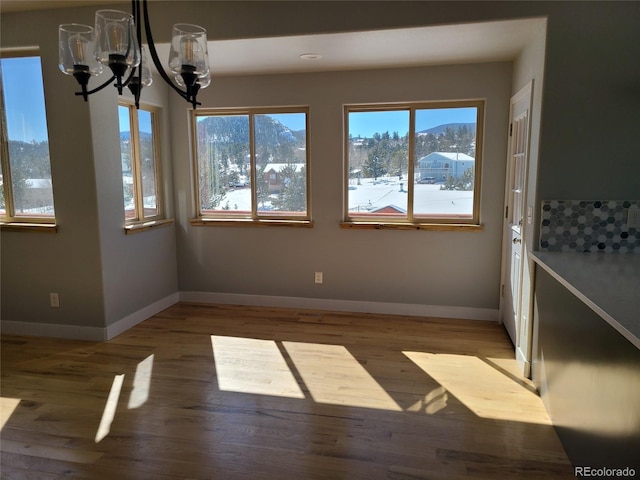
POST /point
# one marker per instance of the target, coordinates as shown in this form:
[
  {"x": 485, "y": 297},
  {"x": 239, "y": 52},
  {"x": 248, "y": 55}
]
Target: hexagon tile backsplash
[{"x": 588, "y": 226}]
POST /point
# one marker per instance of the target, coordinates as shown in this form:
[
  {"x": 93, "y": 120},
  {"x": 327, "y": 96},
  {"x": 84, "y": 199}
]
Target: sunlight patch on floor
[
  {"x": 433, "y": 402},
  {"x": 249, "y": 365},
  {"x": 484, "y": 389},
  {"x": 109, "y": 412},
  {"x": 334, "y": 376},
  {"x": 7, "y": 407},
  {"x": 141, "y": 383}
]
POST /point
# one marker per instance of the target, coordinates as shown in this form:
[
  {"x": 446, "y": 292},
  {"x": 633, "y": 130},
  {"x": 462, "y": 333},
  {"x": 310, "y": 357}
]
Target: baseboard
[
  {"x": 408, "y": 309},
  {"x": 141, "y": 315},
  {"x": 99, "y": 334},
  {"x": 94, "y": 334},
  {"x": 523, "y": 363},
  {"x": 33, "y": 329}
]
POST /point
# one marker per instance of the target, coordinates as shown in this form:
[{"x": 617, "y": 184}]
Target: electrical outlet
[
  {"x": 633, "y": 217},
  {"x": 54, "y": 300},
  {"x": 318, "y": 278}
]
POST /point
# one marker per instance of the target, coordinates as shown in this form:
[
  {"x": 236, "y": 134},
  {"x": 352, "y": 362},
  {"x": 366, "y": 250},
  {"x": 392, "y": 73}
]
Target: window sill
[
  {"x": 412, "y": 226},
  {"x": 144, "y": 226},
  {"x": 29, "y": 227},
  {"x": 249, "y": 222}
]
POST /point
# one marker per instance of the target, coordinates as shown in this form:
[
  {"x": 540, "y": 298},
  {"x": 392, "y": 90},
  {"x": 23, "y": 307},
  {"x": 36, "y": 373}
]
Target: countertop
[{"x": 608, "y": 283}]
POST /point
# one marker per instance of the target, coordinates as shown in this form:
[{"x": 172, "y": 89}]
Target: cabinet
[{"x": 588, "y": 375}]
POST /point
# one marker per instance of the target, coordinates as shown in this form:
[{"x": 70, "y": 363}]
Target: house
[
  {"x": 582, "y": 58},
  {"x": 392, "y": 209},
  {"x": 36, "y": 193},
  {"x": 442, "y": 165},
  {"x": 273, "y": 174}
]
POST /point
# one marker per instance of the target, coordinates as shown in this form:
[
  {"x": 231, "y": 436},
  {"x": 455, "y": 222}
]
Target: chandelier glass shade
[
  {"x": 116, "y": 42},
  {"x": 77, "y": 47}
]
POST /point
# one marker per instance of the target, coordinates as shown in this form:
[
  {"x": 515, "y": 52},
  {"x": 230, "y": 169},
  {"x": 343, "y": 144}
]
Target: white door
[{"x": 515, "y": 318}]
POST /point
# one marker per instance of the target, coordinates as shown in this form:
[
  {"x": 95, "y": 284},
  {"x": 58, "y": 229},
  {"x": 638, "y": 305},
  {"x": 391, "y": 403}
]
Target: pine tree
[
  {"x": 292, "y": 198},
  {"x": 374, "y": 166}
]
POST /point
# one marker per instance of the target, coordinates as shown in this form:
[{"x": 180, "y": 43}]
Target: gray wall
[
  {"x": 591, "y": 98},
  {"x": 588, "y": 115},
  {"x": 67, "y": 262},
  {"x": 415, "y": 267},
  {"x": 137, "y": 269},
  {"x": 101, "y": 274}
]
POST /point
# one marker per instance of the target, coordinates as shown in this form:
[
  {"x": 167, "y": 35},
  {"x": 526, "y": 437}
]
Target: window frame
[
  {"x": 253, "y": 218},
  {"x": 9, "y": 220},
  {"x": 139, "y": 220},
  {"x": 410, "y": 220}
]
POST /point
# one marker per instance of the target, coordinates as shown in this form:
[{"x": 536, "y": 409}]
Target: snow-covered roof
[
  {"x": 389, "y": 209},
  {"x": 448, "y": 156},
  {"x": 278, "y": 167}
]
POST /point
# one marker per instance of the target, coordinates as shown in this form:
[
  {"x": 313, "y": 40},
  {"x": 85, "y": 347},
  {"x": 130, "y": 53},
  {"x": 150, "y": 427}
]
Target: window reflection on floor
[
  {"x": 334, "y": 376},
  {"x": 482, "y": 387},
  {"x": 7, "y": 407},
  {"x": 249, "y": 365}
]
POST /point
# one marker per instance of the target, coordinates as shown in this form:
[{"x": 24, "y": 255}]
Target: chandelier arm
[
  {"x": 130, "y": 77},
  {"x": 97, "y": 89},
  {"x": 135, "y": 11},
  {"x": 154, "y": 53},
  {"x": 137, "y": 89}
]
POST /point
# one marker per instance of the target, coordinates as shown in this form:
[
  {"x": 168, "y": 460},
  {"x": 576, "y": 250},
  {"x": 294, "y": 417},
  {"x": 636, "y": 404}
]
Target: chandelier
[{"x": 116, "y": 42}]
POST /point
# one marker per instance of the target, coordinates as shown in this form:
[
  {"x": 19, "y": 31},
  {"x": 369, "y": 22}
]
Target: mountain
[
  {"x": 124, "y": 136},
  {"x": 235, "y": 129},
  {"x": 443, "y": 128}
]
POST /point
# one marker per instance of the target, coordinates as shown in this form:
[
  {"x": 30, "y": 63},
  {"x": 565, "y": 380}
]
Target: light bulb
[
  {"x": 189, "y": 48},
  {"x": 188, "y": 53},
  {"x": 117, "y": 40},
  {"x": 78, "y": 47}
]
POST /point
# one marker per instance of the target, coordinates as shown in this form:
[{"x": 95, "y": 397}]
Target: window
[
  {"x": 252, "y": 166},
  {"x": 140, "y": 163},
  {"x": 25, "y": 181},
  {"x": 416, "y": 164}
]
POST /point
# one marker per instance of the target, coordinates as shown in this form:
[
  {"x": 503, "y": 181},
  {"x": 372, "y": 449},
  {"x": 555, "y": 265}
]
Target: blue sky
[
  {"x": 144, "y": 120},
  {"x": 24, "y": 99},
  {"x": 295, "y": 121},
  {"x": 365, "y": 124},
  {"x": 24, "y": 102}
]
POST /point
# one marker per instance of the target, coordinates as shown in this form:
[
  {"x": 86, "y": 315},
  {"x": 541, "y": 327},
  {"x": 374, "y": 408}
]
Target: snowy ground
[{"x": 372, "y": 195}]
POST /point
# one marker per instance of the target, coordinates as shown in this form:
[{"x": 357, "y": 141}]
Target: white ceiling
[
  {"x": 439, "y": 45},
  {"x": 404, "y": 47}
]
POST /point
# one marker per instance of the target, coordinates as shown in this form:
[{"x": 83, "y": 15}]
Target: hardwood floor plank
[
  {"x": 226, "y": 392},
  {"x": 47, "y": 451}
]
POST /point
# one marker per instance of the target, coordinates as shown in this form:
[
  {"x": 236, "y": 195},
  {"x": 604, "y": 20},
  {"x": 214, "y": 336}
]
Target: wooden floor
[{"x": 222, "y": 392}]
